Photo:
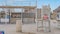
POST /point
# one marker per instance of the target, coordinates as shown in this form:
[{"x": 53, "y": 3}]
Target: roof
[
  {"x": 57, "y": 9},
  {"x": 17, "y": 7}
]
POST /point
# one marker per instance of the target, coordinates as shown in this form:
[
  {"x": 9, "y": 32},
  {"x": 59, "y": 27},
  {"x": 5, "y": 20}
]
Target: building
[
  {"x": 46, "y": 10},
  {"x": 28, "y": 14},
  {"x": 2, "y": 14},
  {"x": 39, "y": 13},
  {"x": 53, "y": 16},
  {"x": 55, "y": 12}
]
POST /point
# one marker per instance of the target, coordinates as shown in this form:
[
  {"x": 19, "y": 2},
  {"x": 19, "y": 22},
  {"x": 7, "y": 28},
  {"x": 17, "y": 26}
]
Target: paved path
[{"x": 11, "y": 29}]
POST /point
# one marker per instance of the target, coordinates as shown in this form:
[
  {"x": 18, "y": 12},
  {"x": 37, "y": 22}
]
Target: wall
[{"x": 28, "y": 20}]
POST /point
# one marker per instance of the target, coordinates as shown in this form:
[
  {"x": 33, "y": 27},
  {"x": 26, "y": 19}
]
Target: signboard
[{"x": 45, "y": 17}]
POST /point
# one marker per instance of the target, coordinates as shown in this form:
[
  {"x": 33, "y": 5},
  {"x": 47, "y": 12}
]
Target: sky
[{"x": 53, "y": 3}]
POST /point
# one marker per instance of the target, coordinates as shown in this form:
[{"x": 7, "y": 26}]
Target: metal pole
[
  {"x": 5, "y": 11},
  {"x": 21, "y": 15},
  {"x": 36, "y": 16},
  {"x": 49, "y": 23},
  {"x": 9, "y": 16}
]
